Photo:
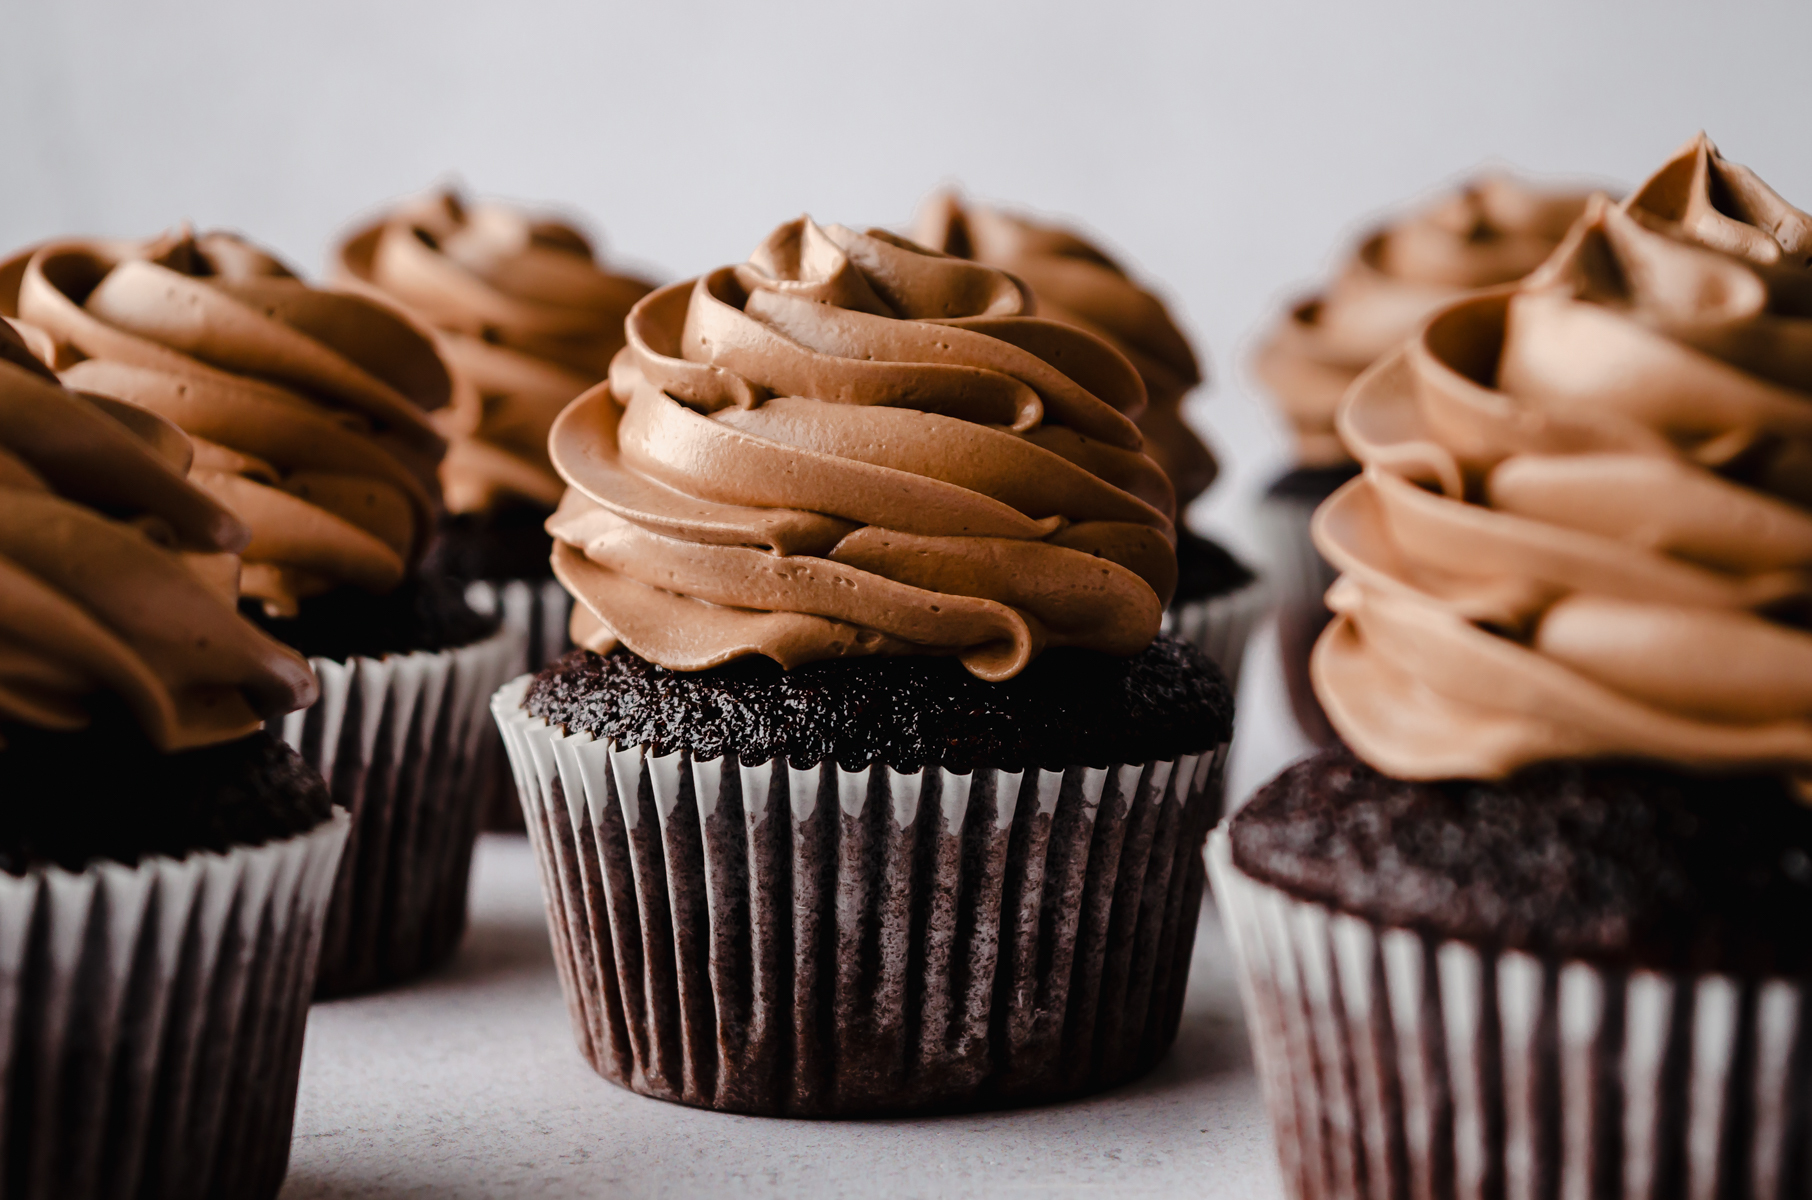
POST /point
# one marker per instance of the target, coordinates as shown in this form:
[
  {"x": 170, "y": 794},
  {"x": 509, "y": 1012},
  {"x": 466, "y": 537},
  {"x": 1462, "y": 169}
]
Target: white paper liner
[
  {"x": 890, "y": 942},
  {"x": 399, "y": 740},
  {"x": 1399, "y": 1065},
  {"x": 542, "y": 610},
  {"x": 1220, "y": 626},
  {"x": 151, "y": 1019}
]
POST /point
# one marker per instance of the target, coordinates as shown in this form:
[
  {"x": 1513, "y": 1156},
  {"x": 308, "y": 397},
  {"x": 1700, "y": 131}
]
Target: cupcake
[
  {"x": 308, "y": 413},
  {"x": 1217, "y": 599},
  {"x": 874, "y": 786},
  {"x": 1493, "y": 231},
  {"x": 526, "y": 318},
  {"x": 1543, "y": 928},
  {"x": 165, "y": 864}
]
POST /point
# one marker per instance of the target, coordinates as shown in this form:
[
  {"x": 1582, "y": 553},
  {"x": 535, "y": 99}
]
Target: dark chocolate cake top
[
  {"x": 1605, "y": 862},
  {"x": 1068, "y": 707},
  {"x": 1206, "y": 569},
  {"x": 427, "y": 612}
]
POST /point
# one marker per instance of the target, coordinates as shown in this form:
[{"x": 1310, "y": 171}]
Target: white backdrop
[{"x": 1226, "y": 150}]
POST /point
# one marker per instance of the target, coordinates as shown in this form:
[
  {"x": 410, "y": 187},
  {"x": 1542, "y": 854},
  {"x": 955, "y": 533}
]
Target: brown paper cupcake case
[
  {"x": 541, "y": 609},
  {"x": 769, "y": 939},
  {"x": 1399, "y": 1065},
  {"x": 151, "y": 1019},
  {"x": 398, "y": 740},
  {"x": 1220, "y": 626}
]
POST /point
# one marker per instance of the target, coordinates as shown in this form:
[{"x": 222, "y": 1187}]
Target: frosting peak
[
  {"x": 526, "y": 317},
  {"x": 852, "y": 445},
  {"x": 1492, "y": 231},
  {"x": 118, "y": 577},
  {"x": 308, "y": 408},
  {"x": 1075, "y": 283},
  {"x": 1584, "y": 527}
]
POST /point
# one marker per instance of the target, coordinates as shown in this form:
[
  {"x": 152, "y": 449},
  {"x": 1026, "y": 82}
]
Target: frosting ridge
[
  {"x": 1075, "y": 282},
  {"x": 852, "y": 445},
  {"x": 525, "y": 315},
  {"x": 118, "y": 577},
  {"x": 1492, "y": 231},
  {"x": 308, "y": 408},
  {"x": 1584, "y": 523}
]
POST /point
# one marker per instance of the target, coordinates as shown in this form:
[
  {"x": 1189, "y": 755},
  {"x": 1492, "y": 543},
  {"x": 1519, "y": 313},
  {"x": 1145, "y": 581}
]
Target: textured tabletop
[{"x": 468, "y": 1084}]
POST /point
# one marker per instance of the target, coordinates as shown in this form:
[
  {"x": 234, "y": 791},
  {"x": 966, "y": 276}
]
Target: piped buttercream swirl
[
  {"x": 308, "y": 408},
  {"x": 118, "y": 577},
  {"x": 852, "y": 445},
  {"x": 1584, "y": 525},
  {"x": 1492, "y": 231},
  {"x": 526, "y": 317},
  {"x": 1075, "y": 282}
]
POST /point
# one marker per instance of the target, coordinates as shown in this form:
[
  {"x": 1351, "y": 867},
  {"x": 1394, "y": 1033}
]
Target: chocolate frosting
[
  {"x": 852, "y": 445},
  {"x": 308, "y": 408},
  {"x": 526, "y": 317},
  {"x": 1493, "y": 231},
  {"x": 1074, "y": 282},
  {"x": 1583, "y": 526},
  {"x": 118, "y": 577}
]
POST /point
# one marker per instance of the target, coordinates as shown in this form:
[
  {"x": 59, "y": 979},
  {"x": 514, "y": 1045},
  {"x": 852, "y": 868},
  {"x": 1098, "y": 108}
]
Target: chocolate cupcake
[
  {"x": 526, "y": 317},
  {"x": 1492, "y": 231},
  {"x": 165, "y": 865},
  {"x": 308, "y": 413},
  {"x": 1217, "y": 599},
  {"x": 1544, "y": 928},
  {"x": 874, "y": 787}
]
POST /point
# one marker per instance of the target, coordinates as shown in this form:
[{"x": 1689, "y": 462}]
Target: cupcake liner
[
  {"x": 541, "y": 609},
  {"x": 151, "y": 1019},
  {"x": 769, "y": 939},
  {"x": 1220, "y": 626},
  {"x": 1396, "y": 1064},
  {"x": 399, "y": 740}
]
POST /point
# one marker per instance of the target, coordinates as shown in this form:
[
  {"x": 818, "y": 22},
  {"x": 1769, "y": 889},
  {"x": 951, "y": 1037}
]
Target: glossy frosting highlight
[
  {"x": 1584, "y": 526},
  {"x": 308, "y": 408},
  {"x": 1075, "y": 282},
  {"x": 1493, "y": 231},
  {"x": 526, "y": 317},
  {"x": 118, "y": 577},
  {"x": 852, "y": 445}
]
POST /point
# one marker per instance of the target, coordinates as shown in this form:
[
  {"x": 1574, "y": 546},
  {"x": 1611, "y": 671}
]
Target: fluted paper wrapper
[
  {"x": 542, "y": 610},
  {"x": 1220, "y": 626},
  {"x": 1400, "y": 1065},
  {"x": 821, "y": 942},
  {"x": 399, "y": 741},
  {"x": 151, "y": 1019}
]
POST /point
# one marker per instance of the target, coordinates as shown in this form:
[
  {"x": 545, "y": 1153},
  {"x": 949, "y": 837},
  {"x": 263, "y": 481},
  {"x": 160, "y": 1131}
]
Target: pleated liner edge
[
  {"x": 893, "y": 942},
  {"x": 1399, "y": 1065},
  {"x": 151, "y": 1020},
  {"x": 539, "y": 609},
  {"x": 401, "y": 741},
  {"x": 1220, "y": 626}
]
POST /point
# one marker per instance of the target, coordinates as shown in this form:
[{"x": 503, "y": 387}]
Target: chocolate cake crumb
[
  {"x": 1069, "y": 707},
  {"x": 423, "y": 613},
  {"x": 1617, "y": 863},
  {"x": 1313, "y": 484},
  {"x": 507, "y": 542},
  {"x": 1206, "y": 569}
]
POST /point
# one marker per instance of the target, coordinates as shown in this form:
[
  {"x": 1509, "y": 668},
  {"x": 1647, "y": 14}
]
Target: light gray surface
[{"x": 469, "y": 1085}]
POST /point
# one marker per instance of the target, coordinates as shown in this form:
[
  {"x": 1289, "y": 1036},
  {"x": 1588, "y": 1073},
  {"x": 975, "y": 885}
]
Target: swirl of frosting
[
  {"x": 852, "y": 445},
  {"x": 1493, "y": 231},
  {"x": 308, "y": 408},
  {"x": 526, "y": 318},
  {"x": 1074, "y": 282},
  {"x": 1584, "y": 524},
  {"x": 119, "y": 577}
]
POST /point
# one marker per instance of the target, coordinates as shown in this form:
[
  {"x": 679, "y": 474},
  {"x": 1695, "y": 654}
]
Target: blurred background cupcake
[
  {"x": 1493, "y": 230},
  {"x": 526, "y": 318},
  {"x": 1546, "y": 926},
  {"x": 308, "y": 411},
  {"x": 874, "y": 773},
  {"x": 165, "y": 864},
  {"x": 1217, "y": 599}
]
